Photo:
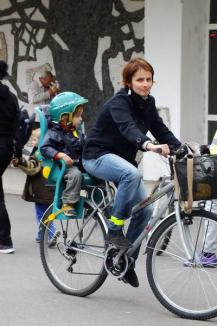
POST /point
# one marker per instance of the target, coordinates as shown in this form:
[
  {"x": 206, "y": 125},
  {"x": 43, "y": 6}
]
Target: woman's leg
[{"x": 130, "y": 190}]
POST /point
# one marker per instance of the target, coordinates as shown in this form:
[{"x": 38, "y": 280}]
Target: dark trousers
[{"x": 5, "y": 226}]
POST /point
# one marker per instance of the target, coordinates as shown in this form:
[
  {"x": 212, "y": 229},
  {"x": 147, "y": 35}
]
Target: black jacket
[
  {"x": 57, "y": 140},
  {"x": 122, "y": 125},
  {"x": 9, "y": 110}
]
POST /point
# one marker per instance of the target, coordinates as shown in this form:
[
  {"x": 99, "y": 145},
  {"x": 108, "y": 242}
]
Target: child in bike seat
[{"x": 64, "y": 141}]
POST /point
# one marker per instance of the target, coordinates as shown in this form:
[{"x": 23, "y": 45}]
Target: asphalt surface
[{"x": 29, "y": 299}]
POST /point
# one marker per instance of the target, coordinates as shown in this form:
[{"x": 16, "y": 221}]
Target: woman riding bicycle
[{"x": 111, "y": 147}]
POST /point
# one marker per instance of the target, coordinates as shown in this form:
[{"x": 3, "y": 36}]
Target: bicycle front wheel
[
  {"x": 73, "y": 258},
  {"x": 186, "y": 287}
]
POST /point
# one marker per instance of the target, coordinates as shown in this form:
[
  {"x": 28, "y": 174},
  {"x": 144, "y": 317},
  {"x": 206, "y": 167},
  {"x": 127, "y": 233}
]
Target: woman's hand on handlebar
[{"x": 162, "y": 149}]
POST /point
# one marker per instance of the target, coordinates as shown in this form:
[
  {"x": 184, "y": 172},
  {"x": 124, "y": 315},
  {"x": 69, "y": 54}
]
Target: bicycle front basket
[{"x": 204, "y": 177}]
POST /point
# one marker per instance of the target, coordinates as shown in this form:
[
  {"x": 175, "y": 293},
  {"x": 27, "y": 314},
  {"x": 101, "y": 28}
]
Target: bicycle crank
[{"x": 116, "y": 261}]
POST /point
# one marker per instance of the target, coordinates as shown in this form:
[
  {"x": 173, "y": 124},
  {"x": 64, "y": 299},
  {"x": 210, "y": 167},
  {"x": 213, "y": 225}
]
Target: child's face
[
  {"x": 77, "y": 117},
  {"x": 35, "y": 137}
]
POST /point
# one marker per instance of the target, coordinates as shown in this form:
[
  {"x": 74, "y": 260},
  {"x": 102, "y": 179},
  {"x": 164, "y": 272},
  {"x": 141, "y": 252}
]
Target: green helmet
[{"x": 65, "y": 102}]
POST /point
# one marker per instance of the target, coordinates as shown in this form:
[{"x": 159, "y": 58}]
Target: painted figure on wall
[{"x": 84, "y": 37}]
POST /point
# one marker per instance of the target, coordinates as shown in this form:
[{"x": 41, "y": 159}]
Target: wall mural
[{"x": 78, "y": 34}]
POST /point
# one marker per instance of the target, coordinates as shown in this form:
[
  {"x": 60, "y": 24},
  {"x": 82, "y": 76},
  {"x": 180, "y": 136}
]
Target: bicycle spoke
[{"x": 75, "y": 265}]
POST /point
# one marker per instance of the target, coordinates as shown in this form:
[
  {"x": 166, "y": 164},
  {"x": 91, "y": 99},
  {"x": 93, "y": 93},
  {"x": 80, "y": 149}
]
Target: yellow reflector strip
[{"x": 117, "y": 221}]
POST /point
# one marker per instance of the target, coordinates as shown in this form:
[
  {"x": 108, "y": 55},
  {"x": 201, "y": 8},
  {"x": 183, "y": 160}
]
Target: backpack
[{"x": 23, "y": 130}]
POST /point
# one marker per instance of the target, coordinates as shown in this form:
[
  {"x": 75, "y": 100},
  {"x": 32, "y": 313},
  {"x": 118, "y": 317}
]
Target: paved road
[{"x": 29, "y": 299}]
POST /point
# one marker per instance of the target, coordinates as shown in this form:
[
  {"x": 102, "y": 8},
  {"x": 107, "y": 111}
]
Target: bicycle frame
[
  {"x": 165, "y": 190},
  {"x": 175, "y": 248}
]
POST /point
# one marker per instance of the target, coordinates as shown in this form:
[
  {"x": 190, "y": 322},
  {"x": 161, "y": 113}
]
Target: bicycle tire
[
  {"x": 196, "y": 297},
  {"x": 87, "y": 273}
]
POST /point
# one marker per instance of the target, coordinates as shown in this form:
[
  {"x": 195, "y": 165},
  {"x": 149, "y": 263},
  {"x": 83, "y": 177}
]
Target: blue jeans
[
  {"x": 130, "y": 191},
  {"x": 40, "y": 210}
]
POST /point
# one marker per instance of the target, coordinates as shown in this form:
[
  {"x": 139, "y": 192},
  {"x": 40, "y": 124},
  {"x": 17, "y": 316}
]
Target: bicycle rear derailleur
[
  {"x": 116, "y": 261},
  {"x": 69, "y": 254}
]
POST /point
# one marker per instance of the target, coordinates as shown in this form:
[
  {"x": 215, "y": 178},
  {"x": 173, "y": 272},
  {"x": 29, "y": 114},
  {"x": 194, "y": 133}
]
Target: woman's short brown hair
[{"x": 133, "y": 66}]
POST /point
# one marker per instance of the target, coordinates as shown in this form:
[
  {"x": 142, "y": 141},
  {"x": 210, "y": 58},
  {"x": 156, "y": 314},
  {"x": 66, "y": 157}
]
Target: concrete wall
[
  {"x": 194, "y": 70},
  {"x": 176, "y": 44},
  {"x": 163, "y": 42},
  {"x": 86, "y": 45}
]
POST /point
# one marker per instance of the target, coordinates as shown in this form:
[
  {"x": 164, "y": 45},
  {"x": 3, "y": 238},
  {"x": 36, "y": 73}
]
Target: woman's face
[{"x": 141, "y": 82}]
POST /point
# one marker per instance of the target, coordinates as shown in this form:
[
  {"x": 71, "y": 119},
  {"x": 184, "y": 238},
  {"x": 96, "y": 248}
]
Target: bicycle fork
[{"x": 185, "y": 235}]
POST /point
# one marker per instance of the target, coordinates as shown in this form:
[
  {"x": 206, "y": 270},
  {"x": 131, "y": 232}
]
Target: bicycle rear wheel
[
  {"x": 74, "y": 264},
  {"x": 188, "y": 288}
]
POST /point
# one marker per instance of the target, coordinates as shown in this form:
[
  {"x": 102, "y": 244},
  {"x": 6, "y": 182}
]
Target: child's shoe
[{"x": 70, "y": 211}]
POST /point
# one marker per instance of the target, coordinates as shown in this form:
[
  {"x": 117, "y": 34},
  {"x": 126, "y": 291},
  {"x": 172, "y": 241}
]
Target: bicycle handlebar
[
  {"x": 180, "y": 152},
  {"x": 159, "y": 151}
]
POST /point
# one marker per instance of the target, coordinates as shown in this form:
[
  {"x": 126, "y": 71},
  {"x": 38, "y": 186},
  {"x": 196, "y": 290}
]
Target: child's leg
[
  {"x": 71, "y": 193},
  {"x": 39, "y": 210}
]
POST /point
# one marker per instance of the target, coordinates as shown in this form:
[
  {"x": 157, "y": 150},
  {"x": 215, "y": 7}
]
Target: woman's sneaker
[
  {"x": 117, "y": 238},
  {"x": 131, "y": 278},
  {"x": 208, "y": 259},
  {"x": 6, "y": 249}
]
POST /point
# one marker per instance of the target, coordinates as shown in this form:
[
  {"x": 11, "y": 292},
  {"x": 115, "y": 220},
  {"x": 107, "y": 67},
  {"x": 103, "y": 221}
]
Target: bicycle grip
[{"x": 159, "y": 150}]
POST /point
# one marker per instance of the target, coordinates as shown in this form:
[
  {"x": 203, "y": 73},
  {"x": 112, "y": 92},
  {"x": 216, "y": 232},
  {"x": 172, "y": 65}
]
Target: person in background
[
  {"x": 111, "y": 146},
  {"x": 41, "y": 91},
  {"x": 36, "y": 189},
  {"x": 208, "y": 256},
  {"x": 9, "y": 111}
]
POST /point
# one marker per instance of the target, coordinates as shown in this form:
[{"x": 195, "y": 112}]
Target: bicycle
[{"x": 80, "y": 262}]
